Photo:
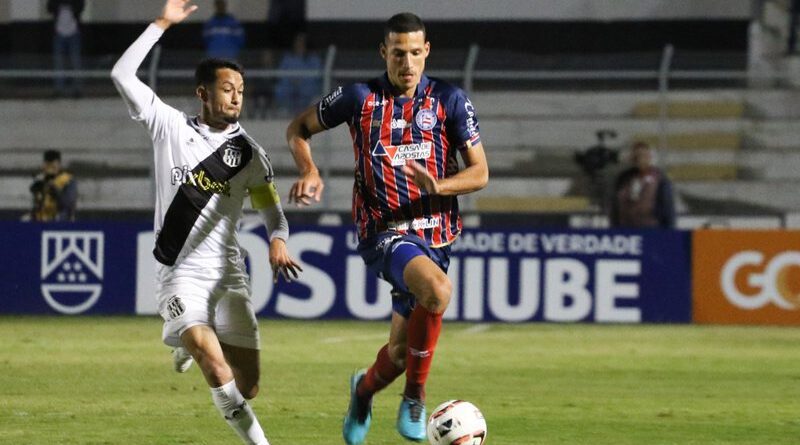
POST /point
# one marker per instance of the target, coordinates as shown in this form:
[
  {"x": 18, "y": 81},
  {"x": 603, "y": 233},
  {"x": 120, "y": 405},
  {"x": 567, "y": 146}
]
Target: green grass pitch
[{"x": 108, "y": 380}]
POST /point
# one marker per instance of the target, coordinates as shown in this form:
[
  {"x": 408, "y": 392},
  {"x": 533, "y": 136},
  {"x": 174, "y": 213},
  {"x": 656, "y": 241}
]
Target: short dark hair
[
  {"x": 206, "y": 72},
  {"x": 52, "y": 155},
  {"x": 402, "y": 23}
]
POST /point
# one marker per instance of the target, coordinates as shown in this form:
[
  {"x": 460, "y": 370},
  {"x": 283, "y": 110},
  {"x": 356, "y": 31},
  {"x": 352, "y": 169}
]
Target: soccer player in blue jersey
[{"x": 407, "y": 130}]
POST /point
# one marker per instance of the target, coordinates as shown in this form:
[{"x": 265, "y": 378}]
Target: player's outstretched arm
[
  {"x": 142, "y": 102},
  {"x": 309, "y": 185},
  {"x": 472, "y": 178},
  {"x": 175, "y": 11}
]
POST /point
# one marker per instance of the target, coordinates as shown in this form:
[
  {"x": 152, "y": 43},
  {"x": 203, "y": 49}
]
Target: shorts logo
[
  {"x": 425, "y": 119},
  {"x": 400, "y": 153},
  {"x": 72, "y": 270},
  {"x": 232, "y": 156},
  {"x": 175, "y": 307}
]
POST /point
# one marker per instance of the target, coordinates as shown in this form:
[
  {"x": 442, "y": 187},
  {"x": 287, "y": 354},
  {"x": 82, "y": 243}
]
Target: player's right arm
[
  {"x": 309, "y": 184},
  {"x": 141, "y": 100},
  {"x": 337, "y": 107}
]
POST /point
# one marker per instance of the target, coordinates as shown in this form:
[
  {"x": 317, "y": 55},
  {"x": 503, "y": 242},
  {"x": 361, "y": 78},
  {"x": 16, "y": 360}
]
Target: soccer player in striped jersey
[
  {"x": 205, "y": 166},
  {"x": 407, "y": 131}
]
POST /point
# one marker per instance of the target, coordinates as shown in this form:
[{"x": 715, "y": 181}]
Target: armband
[{"x": 264, "y": 196}]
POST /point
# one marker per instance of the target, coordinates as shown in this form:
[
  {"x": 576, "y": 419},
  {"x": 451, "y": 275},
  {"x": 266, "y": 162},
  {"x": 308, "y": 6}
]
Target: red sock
[
  {"x": 379, "y": 375},
  {"x": 423, "y": 333}
]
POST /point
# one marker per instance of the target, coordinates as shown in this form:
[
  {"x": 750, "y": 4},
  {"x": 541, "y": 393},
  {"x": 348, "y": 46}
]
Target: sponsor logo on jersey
[
  {"x": 72, "y": 269},
  {"x": 399, "y": 154},
  {"x": 183, "y": 175},
  {"x": 399, "y": 123},
  {"x": 331, "y": 98},
  {"x": 472, "y": 126},
  {"x": 377, "y": 103},
  {"x": 416, "y": 224},
  {"x": 425, "y": 119}
]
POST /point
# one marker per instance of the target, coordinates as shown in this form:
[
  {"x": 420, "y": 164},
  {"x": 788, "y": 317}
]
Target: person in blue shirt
[
  {"x": 223, "y": 33},
  {"x": 294, "y": 94}
]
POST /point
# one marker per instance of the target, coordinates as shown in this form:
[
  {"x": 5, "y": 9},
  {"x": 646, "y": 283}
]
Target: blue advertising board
[{"x": 497, "y": 275}]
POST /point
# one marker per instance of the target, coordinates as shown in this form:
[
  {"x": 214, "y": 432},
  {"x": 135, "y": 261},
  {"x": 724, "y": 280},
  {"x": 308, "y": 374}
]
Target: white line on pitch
[
  {"x": 353, "y": 338},
  {"x": 477, "y": 328}
]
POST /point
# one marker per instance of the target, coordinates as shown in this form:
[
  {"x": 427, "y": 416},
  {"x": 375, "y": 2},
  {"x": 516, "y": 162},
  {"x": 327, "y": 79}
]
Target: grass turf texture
[{"x": 108, "y": 380}]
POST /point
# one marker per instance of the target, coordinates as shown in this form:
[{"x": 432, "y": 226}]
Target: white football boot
[{"x": 181, "y": 359}]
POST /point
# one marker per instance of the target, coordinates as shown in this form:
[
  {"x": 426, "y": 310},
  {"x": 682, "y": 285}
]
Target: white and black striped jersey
[{"x": 202, "y": 176}]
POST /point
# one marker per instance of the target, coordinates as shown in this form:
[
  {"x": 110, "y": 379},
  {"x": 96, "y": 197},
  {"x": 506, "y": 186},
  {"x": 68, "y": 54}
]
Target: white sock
[{"x": 237, "y": 412}]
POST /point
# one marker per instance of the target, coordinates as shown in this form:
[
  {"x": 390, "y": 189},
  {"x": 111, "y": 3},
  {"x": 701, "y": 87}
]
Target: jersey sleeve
[
  {"x": 337, "y": 107},
  {"x": 143, "y": 103},
  {"x": 264, "y": 196},
  {"x": 464, "y": 121}
]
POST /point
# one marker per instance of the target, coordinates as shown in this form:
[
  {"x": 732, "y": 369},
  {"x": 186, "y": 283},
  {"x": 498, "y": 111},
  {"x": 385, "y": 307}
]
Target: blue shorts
[{"x": 387, "y": 255}]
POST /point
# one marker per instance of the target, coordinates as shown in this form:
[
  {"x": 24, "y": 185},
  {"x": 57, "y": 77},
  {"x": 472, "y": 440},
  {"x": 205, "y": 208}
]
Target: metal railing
[{"x": 467, "y": 74}]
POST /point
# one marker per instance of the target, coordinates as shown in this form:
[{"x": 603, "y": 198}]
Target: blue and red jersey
[{"x": 389, "y": 131}]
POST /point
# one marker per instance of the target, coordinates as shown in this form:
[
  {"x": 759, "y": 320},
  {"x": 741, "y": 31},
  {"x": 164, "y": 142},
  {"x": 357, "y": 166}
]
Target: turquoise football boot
[
  {"x": 359, "y": 416},
  {"x": 411, "y": 417}
]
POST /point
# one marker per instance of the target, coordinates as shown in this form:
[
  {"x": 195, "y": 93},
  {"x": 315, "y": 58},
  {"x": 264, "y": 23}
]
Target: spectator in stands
[
  {"x": 285, "y": 18},
  {"x": 642, "y": 193},
  {"x": 223, "y": 33},
  {"x": 794, "y": 12},
  {"x": 66, "y": 43},
  {"x": 294, "y": 94},
  {"x": 54, "y": 190}
]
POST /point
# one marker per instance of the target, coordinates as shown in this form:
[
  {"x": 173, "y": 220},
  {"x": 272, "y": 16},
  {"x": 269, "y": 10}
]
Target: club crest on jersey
[
  {"x": 426, "y": 119},
  {"x": 232, "y": 156},
  {"x": 399, "y": 154}
]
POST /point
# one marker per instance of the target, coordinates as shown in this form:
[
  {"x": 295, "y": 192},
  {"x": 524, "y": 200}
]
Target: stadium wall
[
  {"x": 575, "y": 37},
  {"x": 498, "y": 275}
]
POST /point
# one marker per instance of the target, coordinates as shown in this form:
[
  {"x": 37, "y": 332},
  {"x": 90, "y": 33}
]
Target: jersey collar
[
  {"x": 204, "y": 128},
  {"x": 421, "y": 86}
]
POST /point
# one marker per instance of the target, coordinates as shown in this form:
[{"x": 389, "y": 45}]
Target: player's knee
[
  {"x": 438, "y": 297},
  {"x": 218, "y": 373},
  {"x": 248, "y": 390}
]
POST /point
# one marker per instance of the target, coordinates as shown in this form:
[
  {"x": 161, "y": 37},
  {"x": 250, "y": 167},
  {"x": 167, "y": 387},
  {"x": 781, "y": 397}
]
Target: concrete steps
[
  {"x": 691, "y": 109},
  {"x": 533, "y": 204},
  {"x": 717, "y": 140}
]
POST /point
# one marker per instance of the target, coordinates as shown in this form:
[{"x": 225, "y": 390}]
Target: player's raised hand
[
  {"x": 308, "y": 187},
  {"x": 175, "y": 11},
  {"x": 282, "y": 264},
  {"x": 421, "y": 177}
]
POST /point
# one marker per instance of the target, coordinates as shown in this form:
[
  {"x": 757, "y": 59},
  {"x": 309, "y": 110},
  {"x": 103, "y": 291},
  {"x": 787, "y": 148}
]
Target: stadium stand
[{"x": 728, "y": 141}]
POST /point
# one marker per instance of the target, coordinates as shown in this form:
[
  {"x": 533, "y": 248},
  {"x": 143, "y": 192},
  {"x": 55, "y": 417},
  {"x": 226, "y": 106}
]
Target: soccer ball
[{"x": 456, "y": 422}]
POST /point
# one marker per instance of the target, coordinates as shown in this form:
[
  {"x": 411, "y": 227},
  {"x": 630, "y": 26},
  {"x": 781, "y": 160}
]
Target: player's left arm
[
  {"x": 265, "y": 199},
  {"x": 472, "y": 178}
]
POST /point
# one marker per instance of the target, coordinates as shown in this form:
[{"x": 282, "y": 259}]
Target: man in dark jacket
[
  {"x": 642, "y": 193},
  {"x": 66, "y": 42}
]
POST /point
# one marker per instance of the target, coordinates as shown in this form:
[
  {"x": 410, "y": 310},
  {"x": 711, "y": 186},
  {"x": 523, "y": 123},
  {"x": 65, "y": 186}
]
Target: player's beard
[{"x": 231, "y": 118}]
